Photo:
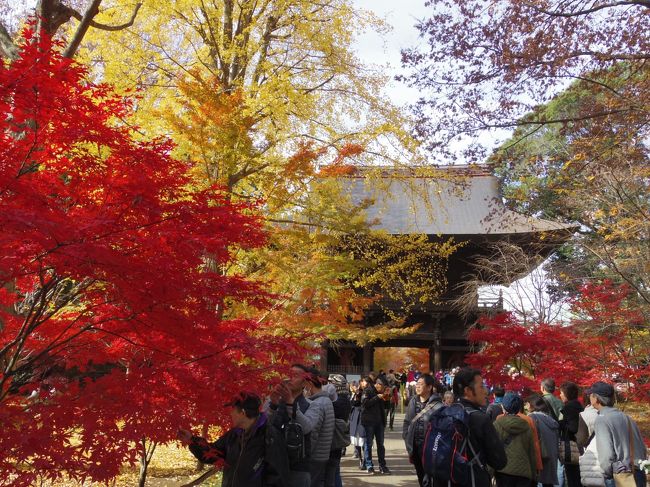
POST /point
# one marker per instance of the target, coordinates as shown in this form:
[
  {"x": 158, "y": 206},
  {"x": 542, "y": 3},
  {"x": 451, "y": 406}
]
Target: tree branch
[
  {"x": 638, "y": 3},
  {"x": 7, "y": 47},
  {"x": 91, "y": 12},
  {"x": 518, "y": 123},
  {"x": 51, "y": 15},
  {"x": 110, "y": 28}
]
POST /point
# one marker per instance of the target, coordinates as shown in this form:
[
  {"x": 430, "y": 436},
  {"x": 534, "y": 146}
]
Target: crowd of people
[{"x": 299, "y": 434}]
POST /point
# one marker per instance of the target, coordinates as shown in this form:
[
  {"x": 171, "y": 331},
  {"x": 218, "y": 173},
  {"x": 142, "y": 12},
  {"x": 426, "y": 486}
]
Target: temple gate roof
[{"x": 453, "y": 200}]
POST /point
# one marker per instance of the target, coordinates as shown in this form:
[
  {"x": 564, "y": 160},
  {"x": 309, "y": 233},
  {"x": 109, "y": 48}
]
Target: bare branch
[
  {"x": 591, "y": 116},
  {"x": 507, "y": 264},
  {"x": 578, "y": 13},
  {"x": 310, "y": 90}
]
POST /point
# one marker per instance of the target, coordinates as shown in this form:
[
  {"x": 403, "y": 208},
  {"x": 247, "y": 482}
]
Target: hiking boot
[
  {"x": 384, "y": 470},
  {"x": 371, "y": 471}
]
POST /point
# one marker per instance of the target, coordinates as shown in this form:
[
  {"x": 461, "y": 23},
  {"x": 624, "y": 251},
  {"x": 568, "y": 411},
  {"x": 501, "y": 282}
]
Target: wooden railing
[{"x": 490, "y": 303}]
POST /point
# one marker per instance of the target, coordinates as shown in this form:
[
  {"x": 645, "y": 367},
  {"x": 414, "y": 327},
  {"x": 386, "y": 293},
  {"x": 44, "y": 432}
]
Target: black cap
[
  {"x": 247, "y": 401},
  {"x": 602, "y": 389}
]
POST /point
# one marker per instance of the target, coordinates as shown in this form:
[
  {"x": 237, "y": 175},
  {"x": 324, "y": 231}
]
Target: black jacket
[
  {"x": 256, "y": 459},
  {"x": 372, "y": 407},
  {"x": 342, "y": 410},
  {"x": 342, "y": 407},
  {"x": 486, "y": 443},
  {"x": 570, "y": 419}
]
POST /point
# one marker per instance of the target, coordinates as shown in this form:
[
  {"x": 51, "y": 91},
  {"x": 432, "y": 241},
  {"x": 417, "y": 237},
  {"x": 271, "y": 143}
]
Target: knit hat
[{"x": 512, "y": 403}]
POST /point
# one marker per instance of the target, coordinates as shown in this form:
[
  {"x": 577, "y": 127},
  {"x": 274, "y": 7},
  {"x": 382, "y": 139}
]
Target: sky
[{"x": 385, "y": 49}]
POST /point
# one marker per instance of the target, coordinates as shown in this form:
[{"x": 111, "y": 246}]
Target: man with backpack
[
  {"x": 461, "y": 440},
  {"x": 418, "y": 414},
  {"x": 555, "y": 405},
  {"x": 547, "y": 387},
  {"x": 298, "y": 443}
]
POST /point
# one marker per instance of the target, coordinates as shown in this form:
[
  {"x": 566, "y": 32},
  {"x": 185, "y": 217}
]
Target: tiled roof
[{"x": 449, "y": 201}]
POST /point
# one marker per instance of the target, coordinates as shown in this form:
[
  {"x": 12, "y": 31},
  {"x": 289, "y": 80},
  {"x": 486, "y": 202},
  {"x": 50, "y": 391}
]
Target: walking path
[{"x": 403, "y": 473}]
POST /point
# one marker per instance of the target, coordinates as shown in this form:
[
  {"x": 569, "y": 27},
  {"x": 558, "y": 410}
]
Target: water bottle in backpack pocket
[{"x": 444, "y": 453}]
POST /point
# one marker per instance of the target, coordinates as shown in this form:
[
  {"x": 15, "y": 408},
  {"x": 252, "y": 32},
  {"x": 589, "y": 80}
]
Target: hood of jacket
[
  {"x": 321, "y": 393},
  {"x": 549, "y": 422},
  {"x": 513, "y": 425}
]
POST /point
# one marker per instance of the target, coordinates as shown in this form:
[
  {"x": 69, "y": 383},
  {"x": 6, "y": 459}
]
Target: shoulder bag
[{"x": 626, "y": 479}]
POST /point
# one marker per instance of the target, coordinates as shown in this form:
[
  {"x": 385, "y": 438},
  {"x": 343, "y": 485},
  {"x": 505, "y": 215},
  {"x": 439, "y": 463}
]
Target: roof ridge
[{"x": 420, "y": 172}]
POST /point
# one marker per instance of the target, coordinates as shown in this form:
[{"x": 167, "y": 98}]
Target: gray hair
[
  {"x": 604, "y": 400},
  {"x": 549, "y": 385}
]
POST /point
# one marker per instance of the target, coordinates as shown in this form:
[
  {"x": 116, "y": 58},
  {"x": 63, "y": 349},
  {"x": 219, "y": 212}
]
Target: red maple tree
[
  {"x": 112, "y": 331},
  {"x": 595, "y": 345}
]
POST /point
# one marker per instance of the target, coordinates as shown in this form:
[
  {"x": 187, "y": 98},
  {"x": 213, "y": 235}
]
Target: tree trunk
[{"x": 145, "y": 459}]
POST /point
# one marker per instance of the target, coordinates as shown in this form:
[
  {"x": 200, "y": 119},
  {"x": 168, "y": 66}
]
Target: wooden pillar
[
  {"x": 437, "y": 342},
  {"x": 368, "y": 357},
  {"x": 324, "y": 349}
]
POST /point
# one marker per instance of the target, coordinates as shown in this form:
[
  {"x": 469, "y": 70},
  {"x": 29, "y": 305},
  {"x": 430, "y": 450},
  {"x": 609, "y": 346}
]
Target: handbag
[
  {"x": 626, "y": 479},
  {"x": 341, "y": 437},
  {"x": 568, "y": 452}
]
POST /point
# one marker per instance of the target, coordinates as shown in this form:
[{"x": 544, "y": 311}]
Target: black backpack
[
  {"x": 294, "y": 437},
  {"x": 341, "y": 437}
]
